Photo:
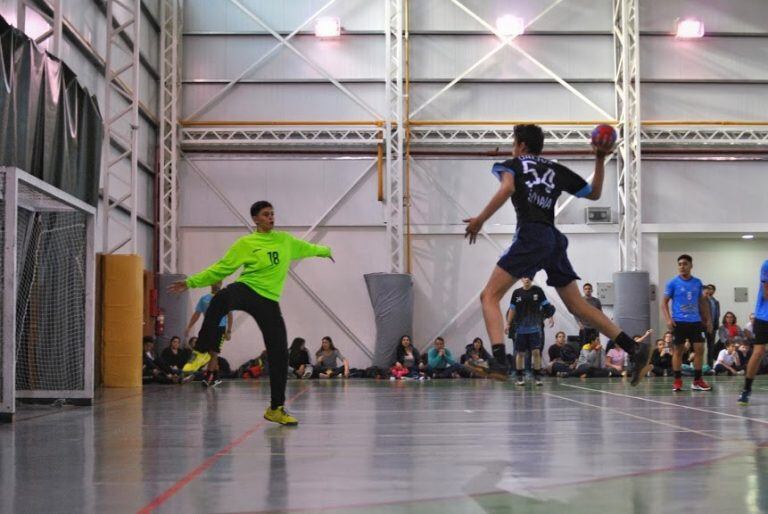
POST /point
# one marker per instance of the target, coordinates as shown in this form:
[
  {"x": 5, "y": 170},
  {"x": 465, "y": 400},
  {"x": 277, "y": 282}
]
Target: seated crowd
[{"x": 576, "y": 356}]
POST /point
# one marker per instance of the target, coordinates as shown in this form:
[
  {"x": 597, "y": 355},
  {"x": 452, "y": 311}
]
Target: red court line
[{"x": 210, "y": 461}]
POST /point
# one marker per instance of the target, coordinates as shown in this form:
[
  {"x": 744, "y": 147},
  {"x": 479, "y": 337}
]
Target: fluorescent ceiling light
[
  {"x": 328, "y": 26},
  {"x": 509, "y": 25},
  {"x": 690, "y": 28}
]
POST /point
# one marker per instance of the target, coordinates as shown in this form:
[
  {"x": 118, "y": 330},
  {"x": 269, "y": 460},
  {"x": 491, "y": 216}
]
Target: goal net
[{"x": 47, "y": 298}]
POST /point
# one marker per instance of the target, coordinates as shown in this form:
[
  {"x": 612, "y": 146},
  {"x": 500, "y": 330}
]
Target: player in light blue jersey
[
  {"x": 760, "y": 330},
  {"x": 687, "y": 321}
]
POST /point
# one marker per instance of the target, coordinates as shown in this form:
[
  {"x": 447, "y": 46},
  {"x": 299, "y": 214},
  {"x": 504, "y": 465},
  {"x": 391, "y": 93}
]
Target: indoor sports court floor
[{"x": 378, "y": 446}]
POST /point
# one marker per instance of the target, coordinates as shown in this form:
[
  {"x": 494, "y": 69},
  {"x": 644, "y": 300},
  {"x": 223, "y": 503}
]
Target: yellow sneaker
[{"x": 279, "y": 415}]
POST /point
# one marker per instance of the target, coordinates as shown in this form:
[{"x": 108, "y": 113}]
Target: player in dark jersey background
[
  {"x": 534, "y": 184},
  {"x": 528, "y": 309}
]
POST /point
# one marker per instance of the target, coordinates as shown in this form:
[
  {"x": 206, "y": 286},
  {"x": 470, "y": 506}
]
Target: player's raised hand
[
  {"x": 474, "y": 226},
  {"x": 178, "y": 287},
  {"x": 602, "y": 150}
]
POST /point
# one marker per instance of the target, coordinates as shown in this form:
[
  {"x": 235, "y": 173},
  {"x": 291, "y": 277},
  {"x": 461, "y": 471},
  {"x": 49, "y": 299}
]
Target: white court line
[
  {"x": 643, "y": 418},
  {"x": 756, "y": 420}
]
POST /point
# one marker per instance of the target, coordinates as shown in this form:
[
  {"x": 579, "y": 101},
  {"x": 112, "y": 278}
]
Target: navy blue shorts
[
  {"x": 527, "y": 342},
  {"x": 539, "y": 246}
]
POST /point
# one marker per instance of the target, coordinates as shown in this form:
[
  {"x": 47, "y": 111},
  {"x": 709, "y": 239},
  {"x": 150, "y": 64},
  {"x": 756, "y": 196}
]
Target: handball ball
[{"x": 603, "y": 136}]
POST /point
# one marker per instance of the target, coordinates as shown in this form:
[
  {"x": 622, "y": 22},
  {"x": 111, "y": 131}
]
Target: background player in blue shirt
[
  {"x": 224, "y": 330},
  {"x": 760, "y": 332},
  {"x": 534, "y": 184},
  {"x": 689, "y": 318}
]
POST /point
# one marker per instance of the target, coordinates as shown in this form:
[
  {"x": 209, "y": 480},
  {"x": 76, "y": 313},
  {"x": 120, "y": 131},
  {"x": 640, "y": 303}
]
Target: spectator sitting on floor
[
  {"x": 476, "y": 346},
  {"x": 153, "y": 370},
  {"x": 406, "y": 360},
  {"x": 476, "y": 360},
  {"x": 327, "y": 360},
  {"x": 298, "y": 359},
  {"x": 615, "y": 361},
  {"x": 726, "y": 361},
  {"x": 728, "y": 331},
  {"x": 440, "y": 361},
  {"x": 174, "y": 357},
  {"x": 554, "y": 351},
  {"x": 562, "y": 357},
  {"x": 591, "y": 359},
  {"x": 744, "y": 353},
  {"x": 749, "y": 329},
  {"x": 661, "y": 359}
]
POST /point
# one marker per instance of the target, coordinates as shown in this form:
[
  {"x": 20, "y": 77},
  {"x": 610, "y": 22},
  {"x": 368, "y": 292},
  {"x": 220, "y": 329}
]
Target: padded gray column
[
  {"x": 175, "y": 307},
  {"x": 392, "y": 300},
  {"x": 632, "y": 307}
]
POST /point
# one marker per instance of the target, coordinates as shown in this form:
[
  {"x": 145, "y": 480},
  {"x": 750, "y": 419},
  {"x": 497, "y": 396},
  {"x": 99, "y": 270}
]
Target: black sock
[
  {"x": 748, "y": 384},
  {"x": 697, "y": 374},
  {"x": 519, "y": 374},
  {"x": 536, "y": 372},
  {"x": 626, "y": 343},
  {"x": 499, "y": 353},
  {"x": 273, "y": 406},
  {"x": 678, "y": 374}
]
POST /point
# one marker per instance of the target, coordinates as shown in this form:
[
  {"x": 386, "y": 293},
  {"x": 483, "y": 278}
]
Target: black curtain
[{"x": 50, "y": 125}]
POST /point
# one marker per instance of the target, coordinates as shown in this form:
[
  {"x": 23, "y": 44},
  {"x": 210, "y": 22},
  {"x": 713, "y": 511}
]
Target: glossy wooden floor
[{"x": 379, "y": 446}]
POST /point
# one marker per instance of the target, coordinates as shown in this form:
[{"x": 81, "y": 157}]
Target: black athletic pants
[{"x": 240, "y": 297}]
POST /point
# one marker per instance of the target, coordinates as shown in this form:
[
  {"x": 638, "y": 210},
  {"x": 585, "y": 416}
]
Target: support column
[
  {"x": 121, "y": 123},
  {"x": 627, "y": 56},
  {"x": 394, "y": 135},
  {"x": 170, "y": 70}
]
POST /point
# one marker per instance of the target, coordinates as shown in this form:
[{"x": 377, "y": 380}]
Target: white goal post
[{"x": 47, "y": 303}]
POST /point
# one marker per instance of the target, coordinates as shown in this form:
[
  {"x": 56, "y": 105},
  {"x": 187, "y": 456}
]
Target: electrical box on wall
[
  {"x": 597, "y": 215},
  {"x": 604, "y": 292},
  {"x": 740, "y": 294}
]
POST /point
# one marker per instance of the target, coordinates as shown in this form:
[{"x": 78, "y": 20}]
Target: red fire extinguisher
[{"x": 160, "y": 323}]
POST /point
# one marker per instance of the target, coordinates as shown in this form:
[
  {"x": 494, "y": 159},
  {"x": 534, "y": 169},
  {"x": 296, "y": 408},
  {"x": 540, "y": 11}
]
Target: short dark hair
[
  {"x": 587, "y": 284},
  {"x": 531, "y": 135},
  {"x": 710, "y": 286},
  {"x": 439, "y": 338},
  {"x": 685, "y": 257},
  {"x": 258, "y": 206},
  {"x": 148, "y": 339}
]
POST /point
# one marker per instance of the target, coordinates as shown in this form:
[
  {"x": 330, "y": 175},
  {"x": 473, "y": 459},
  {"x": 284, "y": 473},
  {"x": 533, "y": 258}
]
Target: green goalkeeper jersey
[{"x": 265, "y": 258}]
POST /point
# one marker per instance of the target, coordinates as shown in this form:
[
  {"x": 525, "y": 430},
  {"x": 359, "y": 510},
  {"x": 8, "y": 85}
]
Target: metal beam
[
  {"x": 509, "y": 41},
  {"x": 312, "y": 64},
  {"x": 51, "y": 13},
  {"x": 170, "y": 70},
  {"x": 477, "y": 64},
  {"x": 394, "y": 135},
  {"x": 253, "y": 66},
  {"x": 628, "y": 153},
  {"x": 121, "y": 124}
]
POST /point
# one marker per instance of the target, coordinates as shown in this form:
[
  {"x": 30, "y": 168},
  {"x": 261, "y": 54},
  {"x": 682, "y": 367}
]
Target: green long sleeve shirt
[{"x": 265, "y": 259}]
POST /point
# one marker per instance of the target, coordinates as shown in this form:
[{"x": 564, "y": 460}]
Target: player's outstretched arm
[
  {"x": 214, "y": 273},
  {"x": 301, "y": 249},
  {"x": 601, "y": 152},
  {"x": 475, "y": 225}
]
